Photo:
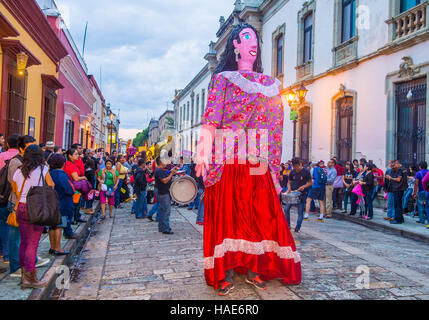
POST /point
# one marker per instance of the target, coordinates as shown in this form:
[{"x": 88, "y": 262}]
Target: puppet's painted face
[{"x": 248, "y": 47}]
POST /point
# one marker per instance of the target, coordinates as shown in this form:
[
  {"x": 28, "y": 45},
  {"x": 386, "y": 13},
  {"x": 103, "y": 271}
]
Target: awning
[
  {"x": 51, "y": 82},
  {"x": 13, "y": 47},
  {"x": 6, "y": 29}
]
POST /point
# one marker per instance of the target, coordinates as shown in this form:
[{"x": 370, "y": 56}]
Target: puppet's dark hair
[{"x": 227, "y": 61}]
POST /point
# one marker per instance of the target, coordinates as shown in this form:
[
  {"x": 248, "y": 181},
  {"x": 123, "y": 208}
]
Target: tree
[
  {"x": 170, "y": 123},
  {"x": 141, "y": 138}
]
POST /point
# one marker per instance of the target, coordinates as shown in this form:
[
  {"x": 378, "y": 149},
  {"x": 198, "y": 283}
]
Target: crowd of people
[
  {"x": 79, "y": 177},
  {"x": 357, "y": 182}
]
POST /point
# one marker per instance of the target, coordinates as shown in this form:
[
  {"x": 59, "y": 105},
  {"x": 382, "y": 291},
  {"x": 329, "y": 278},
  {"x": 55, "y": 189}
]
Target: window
[
  {"x": 308, "y": 38},
  {"x": 187, "y": 112},
  {"x": 197, "y": 109},
  {"x": 16, "y": 97},
  {"x": 203, "y": 102},
  {"x": 348, "y": 20},
  {"x": 344, "y": 134},
  {"x": 279, "y": 55},
  {"x": 408, "y": 4},
  {"x": 68, "y": 135},
  {"x": 50, "y": 103}
]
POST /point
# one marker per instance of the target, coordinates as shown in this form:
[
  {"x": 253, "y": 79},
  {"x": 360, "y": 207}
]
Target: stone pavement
[
  {"x": 410, "y": 229},
  {"x": 129, "y": 259},
  {"x": 9, "y": 287}
]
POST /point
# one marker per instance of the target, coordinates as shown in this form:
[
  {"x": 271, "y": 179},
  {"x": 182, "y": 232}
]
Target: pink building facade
[{"x": 75, "y": 102}]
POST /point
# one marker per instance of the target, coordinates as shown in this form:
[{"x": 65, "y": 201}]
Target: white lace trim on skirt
[{"x": 248, "y": 247}]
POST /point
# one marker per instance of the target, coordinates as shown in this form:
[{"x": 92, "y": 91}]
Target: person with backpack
[
  {"x": 318, "y": 190},
  {"x": 5, "y": 190},
  {"x": 28, "y": 176}
]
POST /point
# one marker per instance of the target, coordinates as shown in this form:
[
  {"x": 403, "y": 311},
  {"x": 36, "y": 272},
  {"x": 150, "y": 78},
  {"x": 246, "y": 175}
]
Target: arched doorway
[
  {"x": 344, "y": 128},
  {"x": 304, "y": 134}
]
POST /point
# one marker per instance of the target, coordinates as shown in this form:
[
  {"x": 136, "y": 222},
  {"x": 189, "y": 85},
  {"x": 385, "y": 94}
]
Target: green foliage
[
  {"x": 141, "y": 138},
  {"x": 170, "y": 123}
]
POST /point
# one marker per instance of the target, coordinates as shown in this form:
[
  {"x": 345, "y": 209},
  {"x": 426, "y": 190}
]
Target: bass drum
[{"x": 184, "y": 190}]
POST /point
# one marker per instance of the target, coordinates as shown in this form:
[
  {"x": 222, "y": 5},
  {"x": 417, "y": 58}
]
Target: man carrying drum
[{"x": 296, "y": 195}]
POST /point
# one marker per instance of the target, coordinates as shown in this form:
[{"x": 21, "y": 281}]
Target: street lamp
[
  {"x": 295, "y": 99},
  {"x": 21, "y": 63},
  {"x": 301, "y": 93}
]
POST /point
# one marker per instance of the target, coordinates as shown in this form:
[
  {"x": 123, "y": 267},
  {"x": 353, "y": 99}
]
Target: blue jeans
[
  {"x": 164, "y": 213},
  {"x": 301, "y": 208},
  {"x": 398, "y": 197},
  {"x": 369, "y": 211},
  {"x": 427, "y": 207},
  {"x": 390, "y": 205},
  {"x": 353, "y": 200},
  {"x": 68, "y": 231},
  {"x": 4, "y": 231},
  {"x": 13, "y": 245},
  {"x": 195, "y": 204},
  {"x": 406, "y": 197},
  {"x": 118, "y": 193},
  {"x": 89, "y": 204},
  {"x": 13, "y": 249},
  {"x": 375, "y": 192},
  {"x": 421, "y": 207},
  {"x": 200, "y": 214},
  {"x": 346, "y": 199},
  {"x": 156, "y": 207},
  {"x": 141, "y": 205}
]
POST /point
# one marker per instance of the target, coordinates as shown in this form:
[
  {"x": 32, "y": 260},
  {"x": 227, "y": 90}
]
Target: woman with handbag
[
  {"x": 29, "y": 175},
  {"x": 109, "y": 179}
]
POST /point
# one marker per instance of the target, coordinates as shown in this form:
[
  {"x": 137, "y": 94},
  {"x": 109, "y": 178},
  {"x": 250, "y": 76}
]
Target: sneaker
[
  {"x": 427, "y": 227},
  {"x": 16, "y": 274},
  {"x": 320, "y": 220},
  {"x": 226, "y": 288},
  {"x": 306, "y": 216},
  {"x": 150, "y": 218},
  {"x": 386, "y": 218},
  {"x": 257, "y": 282},
  {"x": 297, "y": 231},
  {"x": 42, "y": 262}
]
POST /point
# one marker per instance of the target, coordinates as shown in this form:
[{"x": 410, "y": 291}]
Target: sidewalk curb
[
  {"x": 74, "y": 247},
  {"x": 386, "y": 228}
]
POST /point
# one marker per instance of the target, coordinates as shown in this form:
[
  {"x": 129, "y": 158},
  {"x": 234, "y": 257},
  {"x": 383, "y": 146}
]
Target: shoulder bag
[
  {"x": 43, "y": 206},
  {"x": 11, "y": 219}
]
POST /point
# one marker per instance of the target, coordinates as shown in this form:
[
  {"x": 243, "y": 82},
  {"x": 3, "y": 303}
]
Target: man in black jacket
[
  {"x": 140, "y": 184},
  {"x": 399, "y": 183}
]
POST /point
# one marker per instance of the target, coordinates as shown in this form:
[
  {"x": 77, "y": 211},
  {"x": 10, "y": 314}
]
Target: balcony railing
[{"x": 410, "y": 21}]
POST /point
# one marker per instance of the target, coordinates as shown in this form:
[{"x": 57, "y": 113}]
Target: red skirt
[{"x": 245, "y": 229}]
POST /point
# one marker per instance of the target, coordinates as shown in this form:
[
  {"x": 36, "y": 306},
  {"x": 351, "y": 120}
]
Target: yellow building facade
[{"x": 28, "y": 101}]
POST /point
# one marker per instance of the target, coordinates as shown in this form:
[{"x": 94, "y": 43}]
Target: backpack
[
  {"x": 5, "y": 186},
  {"x": 43, "y": 205},
  {"x": 322, "y": 178}
]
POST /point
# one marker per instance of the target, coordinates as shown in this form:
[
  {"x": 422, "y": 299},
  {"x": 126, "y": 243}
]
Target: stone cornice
[{"x": 32, "y": 19}]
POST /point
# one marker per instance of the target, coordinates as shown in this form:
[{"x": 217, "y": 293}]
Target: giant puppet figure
[{"x": 245, "y": 229}]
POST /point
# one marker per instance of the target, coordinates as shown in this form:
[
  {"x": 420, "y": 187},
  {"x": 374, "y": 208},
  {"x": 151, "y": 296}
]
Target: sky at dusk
[{"x": 146, "y": 49}]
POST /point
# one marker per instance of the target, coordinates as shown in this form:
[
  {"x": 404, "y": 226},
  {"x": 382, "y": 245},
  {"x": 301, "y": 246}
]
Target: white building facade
[{"x": 364, "y": 62}]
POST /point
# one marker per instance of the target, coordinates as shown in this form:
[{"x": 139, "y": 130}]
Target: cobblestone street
[{"x": 128, "y": 259}]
